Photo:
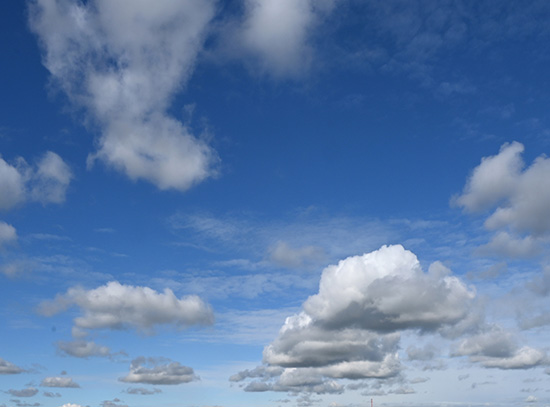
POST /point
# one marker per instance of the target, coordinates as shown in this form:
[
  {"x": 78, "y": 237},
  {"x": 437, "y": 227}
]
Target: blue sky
[{"x": 274, "y": 203}]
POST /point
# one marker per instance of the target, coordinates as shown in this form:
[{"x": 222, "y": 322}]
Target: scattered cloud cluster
[
  {"x": 123, "y": 62},
  {"x": 158, "y": 371},
  {"x": 45, "y": 182},
  {"x": 118, "y": 306}
]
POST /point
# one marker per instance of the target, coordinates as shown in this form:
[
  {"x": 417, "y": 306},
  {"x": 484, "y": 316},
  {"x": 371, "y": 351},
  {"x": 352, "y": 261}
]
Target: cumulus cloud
[
  {"x": 158, "y": 372},
  {"x": 496, "y": 348},
  {"x": 8, "y": 234},
  {"x": 351, "y": 328},
  {"x": 278, "y": 33},
  {"x": 9, "y": 368},
  {"x": 517, "y": 199},
  {"x": 53, "y": 381},
  {"x": 119, "y": 306},
  {"x": 82, "y": 349},
  {"x": 45, "y": 182},
  {"x": 28, "y": 392},
  {"x": 123, "y": 62}
]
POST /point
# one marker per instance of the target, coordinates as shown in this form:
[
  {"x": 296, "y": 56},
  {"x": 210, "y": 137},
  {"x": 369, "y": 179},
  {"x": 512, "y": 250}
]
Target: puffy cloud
[
  {"x": 8, "y": 234},
  {"x": 277, "y": 32},
  {"x": 152, "y": 371},
  {"x": 71, "y": 405},
  {"x": 123, "y": 62},
  {"x": 118, "y": 306},
  {"x": 387, "y": 290},
  {"x": 521, "y": 196},
  {"x": 11, "y": 185},
  {"x": 351, "y": 328},
  {"x": 493, "y": 180},
  {"x": 46, "y": 182},
  {"x": 9, "y": 368},
  {"x": 59, "y": 382},
  {"x": 28, "y": 392},
  {"x": 83, "y": 349},
  {"x": 496, "y": 348}
]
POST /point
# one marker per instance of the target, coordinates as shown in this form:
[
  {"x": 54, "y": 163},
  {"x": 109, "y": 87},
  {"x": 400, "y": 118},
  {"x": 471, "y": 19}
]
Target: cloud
[
  {"x": 118, "y": 306},
  {"x": 504, "y": 244},
  {"x": 28, "y": 392},
  {"x": 278, "y": 33},
  {"x": 45, "y": 182},
  {"x": 283, "y": 254},
  {"x": 83, "y": 349},
  {"x": 152, "y": 371},
  {"x": 142, "y": 391},
  {"x": 8, "y": 234},
  {"x": 71, "y": 405},
  {"x": 123, "y": 62},
  {"x": 9, "y": 368},
  {"x": 51, "y": 394},
  {"x": 521, "y": 196},
  {"x": 351, "y": 328},
  {"x": 59, "y": 382},
  {"x": 496, "y": 348}
]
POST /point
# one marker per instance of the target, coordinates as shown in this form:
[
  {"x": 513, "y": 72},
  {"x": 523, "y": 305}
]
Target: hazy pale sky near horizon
[{"x": 264, "y": 203}]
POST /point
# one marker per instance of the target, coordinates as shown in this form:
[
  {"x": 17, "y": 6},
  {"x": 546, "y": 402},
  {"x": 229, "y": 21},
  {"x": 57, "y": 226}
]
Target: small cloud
[
  {"x": 9, "y": 368},
  {"x": 28, "y": 392},
  {"x": 65, "y": 382},
  {"x": 153, "y": 371}
]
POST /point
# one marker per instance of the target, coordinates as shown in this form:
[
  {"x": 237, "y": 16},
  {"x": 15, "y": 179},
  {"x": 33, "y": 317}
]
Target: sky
[{"x": 271, "y": 203}]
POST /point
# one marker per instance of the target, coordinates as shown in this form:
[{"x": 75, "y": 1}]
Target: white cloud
[
  {"x": 494, "y": 180},
  {"x": 9, "y": 368},
  {"x": 152, "y": 371},
  {"x": 277, "y": 35},
  {"x": 59, "y": 382},
  {"x": 45, "y": 182},
  {"x": 123, "y": 62},
  {"x": 387, "y": 290},
  {"x": 521, "y": 196},
  {"x": 11, "y": 185},
  {"x": 8, "y": 234},
  {"x": 351, "y": 328},
  {"x": 83, "y": 349},
  {"x": 50, "y": 179},
  {"x": 497, "y": 348},
  {"x": 118, "y": 306},
  {"x": 71, "y": 405}
]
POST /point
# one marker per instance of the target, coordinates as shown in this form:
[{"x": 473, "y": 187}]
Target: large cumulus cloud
[{"x": 351, "y": 328}]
